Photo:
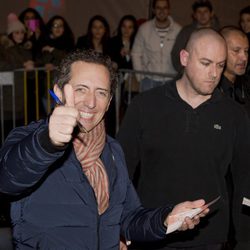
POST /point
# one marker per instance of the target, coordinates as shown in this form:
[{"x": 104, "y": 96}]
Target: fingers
[
  {"x": 188, "y": 208},
  {"x": 194, "y": 204},
  {"x": 204, "y": 212},
  {"x": 62, "y": 123},
  {"x": 187, "y": 205},
  {"x": 69, "y": 96},
  {"x": 191, "y": 223}
]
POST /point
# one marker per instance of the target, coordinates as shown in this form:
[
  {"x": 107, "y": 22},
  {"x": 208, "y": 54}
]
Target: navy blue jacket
[{"x": 55, "y": 205}]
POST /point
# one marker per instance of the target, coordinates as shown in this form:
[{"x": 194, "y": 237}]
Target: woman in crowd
[
  {"x": 35, "y": 27},
  {"x": 17, "y": 48},
  {"x": 18, "y": 55},
  {"x": 57, "y": 42},
  {"x": 121, "y": 44},
  {"x": 120, "y": 49},
  {"x": 97, "y": 37}
]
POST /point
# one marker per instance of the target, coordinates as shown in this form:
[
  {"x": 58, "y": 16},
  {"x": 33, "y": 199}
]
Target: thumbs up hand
[{"x": 63, "y": 119}]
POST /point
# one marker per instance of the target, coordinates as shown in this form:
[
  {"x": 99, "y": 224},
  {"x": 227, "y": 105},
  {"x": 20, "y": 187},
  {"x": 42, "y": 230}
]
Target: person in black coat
[
  {"x": 35, "y": 28},
  {"x": 121, "y": 44},
  {"x": 97, "y": 37},
  {"x": 120, "y": 53},
  {"x": 57, "y": 42}
]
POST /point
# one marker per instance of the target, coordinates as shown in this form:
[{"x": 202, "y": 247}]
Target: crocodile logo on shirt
[{"x": 217, "y": 126}]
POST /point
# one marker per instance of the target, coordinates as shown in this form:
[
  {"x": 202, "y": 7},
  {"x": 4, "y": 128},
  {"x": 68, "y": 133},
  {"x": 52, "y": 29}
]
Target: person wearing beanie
[
  {"x": 17, "y": 55},
  {"x": 19, "y": 51},
  {"x": 13, "y": 24}
]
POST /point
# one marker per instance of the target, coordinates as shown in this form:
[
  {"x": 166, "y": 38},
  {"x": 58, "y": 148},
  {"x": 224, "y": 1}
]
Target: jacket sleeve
[
  {"x": 23, "y": 161},
  {"x": 141, "y": 224},
  {"x": 137, "y": 52}
]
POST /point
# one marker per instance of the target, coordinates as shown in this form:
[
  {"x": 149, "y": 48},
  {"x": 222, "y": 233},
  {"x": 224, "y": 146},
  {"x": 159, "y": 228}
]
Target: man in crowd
[
  {"x": 203, "y": 16},
  {"x": 154, "y": 41},
  {"x": 69, "y": 180},
  {"x": 245, "y": 26},
  {"x": 188, "y": 130},
  {"x": 234, "y": 82}
]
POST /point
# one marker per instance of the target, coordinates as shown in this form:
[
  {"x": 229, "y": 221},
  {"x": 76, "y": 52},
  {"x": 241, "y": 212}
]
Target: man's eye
[
  {"x": 205, "y": 63},
  {"x": 222, "y": 66},
  {"x": 102, "y": 93},
  {"x": 236, "y": 51},
  {"x": 80, "y": 90}
]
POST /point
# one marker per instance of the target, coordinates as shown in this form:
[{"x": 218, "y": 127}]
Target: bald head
[
  {"x": 229, "y": 31},
  {"x": 203, "y": 34},
  {"x": 237, "y": 52},
  {"x": 203, "y": 60}
]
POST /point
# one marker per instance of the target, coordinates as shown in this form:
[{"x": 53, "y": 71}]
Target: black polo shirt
[{"x": 184, "y": 154}]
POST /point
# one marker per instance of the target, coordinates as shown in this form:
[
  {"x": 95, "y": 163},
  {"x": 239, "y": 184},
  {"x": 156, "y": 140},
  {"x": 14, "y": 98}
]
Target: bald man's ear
[{"x": 184, "y": 57}]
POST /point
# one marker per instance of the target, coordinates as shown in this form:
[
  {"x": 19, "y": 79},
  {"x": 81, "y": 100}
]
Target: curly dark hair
[{"x": 63, "y": 71}]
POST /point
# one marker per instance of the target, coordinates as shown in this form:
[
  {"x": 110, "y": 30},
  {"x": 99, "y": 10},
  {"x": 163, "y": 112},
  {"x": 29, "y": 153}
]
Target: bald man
[
  {"x": 183, "y": 136},
  {"x": 235, "y": 84},
  {"x": 234, "y": 81}
]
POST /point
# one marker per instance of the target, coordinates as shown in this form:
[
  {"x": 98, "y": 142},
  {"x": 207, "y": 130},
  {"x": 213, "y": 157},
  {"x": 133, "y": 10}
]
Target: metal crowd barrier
[
  {"x": 7, "y": 80},
  {"x": 127, "y": 83}
]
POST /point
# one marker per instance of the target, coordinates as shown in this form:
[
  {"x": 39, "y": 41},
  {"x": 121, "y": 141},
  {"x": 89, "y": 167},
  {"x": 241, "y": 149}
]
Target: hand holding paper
[
  {"x": 246, "y": 201},
  {"x": 187, "y": 214}
]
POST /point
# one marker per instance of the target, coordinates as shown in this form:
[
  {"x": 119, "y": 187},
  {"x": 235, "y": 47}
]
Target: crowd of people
[
  {"x": 151, "y": 46},
  {"x": 186, "y": 137},
  {"x": 29, "y": 42}
]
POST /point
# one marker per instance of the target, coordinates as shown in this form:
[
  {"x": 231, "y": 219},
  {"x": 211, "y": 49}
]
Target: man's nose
[
  {"x": 90, "y": 100},
  {"x": 244, "y": 55},
  {"x": 214, "y": 72}
]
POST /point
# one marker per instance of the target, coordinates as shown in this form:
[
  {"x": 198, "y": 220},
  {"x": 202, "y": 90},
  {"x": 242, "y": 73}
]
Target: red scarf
[{"x": 88, "y": 148}]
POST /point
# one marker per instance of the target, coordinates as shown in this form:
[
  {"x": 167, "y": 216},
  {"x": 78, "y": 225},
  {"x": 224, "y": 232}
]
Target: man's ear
[
  {"x": 58, "y": 92},
  {"x": 184, "y": 55}
]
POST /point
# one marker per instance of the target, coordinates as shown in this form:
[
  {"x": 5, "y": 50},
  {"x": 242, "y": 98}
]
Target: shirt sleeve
[{"x": 137, "y": 52}]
